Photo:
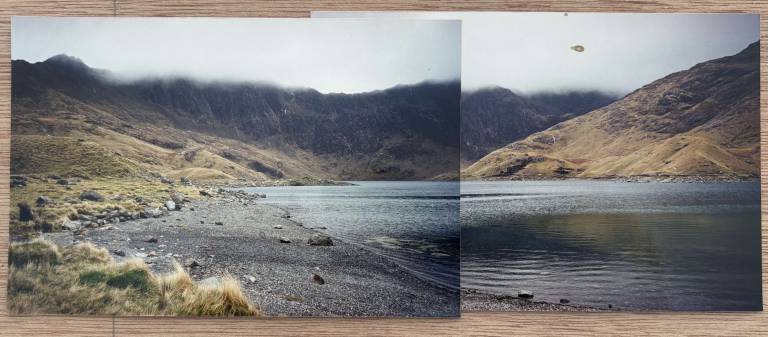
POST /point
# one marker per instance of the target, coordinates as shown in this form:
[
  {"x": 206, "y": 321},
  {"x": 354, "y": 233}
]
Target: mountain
[
  {"x": 700, "y": 121},
  {"x": 240, "y": 129},
  {"x": 493, "y": 117}
]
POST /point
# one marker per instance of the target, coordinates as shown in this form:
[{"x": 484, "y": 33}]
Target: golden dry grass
[
  {"x": 120, "y": 194},
  {"x": 84, "y": 279}
]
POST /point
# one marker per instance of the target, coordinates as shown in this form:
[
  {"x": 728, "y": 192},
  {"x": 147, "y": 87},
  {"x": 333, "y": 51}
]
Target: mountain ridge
[
  {"x": 699, "y": 121},
  {"x": 343, "y": 136}
]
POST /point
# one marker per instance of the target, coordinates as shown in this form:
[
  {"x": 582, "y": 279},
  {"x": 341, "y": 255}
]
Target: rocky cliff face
[
  {"x": 405, "y": 132},
  {"x": 701, "y": 121},
  {"x": 494, "y": 117}
]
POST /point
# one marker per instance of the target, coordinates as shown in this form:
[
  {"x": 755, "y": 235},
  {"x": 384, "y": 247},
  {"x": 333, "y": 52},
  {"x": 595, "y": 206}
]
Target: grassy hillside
[{"x": 700, "y": 122}]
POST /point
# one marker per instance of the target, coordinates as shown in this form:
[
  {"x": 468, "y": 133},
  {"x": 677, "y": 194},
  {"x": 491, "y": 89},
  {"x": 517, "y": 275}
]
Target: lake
[
  {"x": 635, "y": 246},
  {"x": 415, "y": 224}
]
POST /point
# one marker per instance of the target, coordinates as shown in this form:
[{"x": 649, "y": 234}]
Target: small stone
[
  {"x": 151, "y": 239},
  {"x": 202, "y": 222},
  {"x": 110, "y": 228},
  {"x": 219, "y": 223},
  {"x": 191, "y": 263},
  {"x": 250, "y": 278},
  {"x": 277, "y": 227},
  {"x": 43, "y": 200},
  {"x": 71, "y": 225},
  {"x": 564, "y": 301},
  {"x": 525, "y": 294},
  {"x": 170, "y": 205},
  {"x": 152, "y": 254},
  {"x": 318, "y": 279},
  {"x": 285, "y": 240},
  {"x": 119, "y": 252},
  {"x": 205, "y": 193},
  {"x": 64, "y": 182},
  {"x": 166, "y": 180}
]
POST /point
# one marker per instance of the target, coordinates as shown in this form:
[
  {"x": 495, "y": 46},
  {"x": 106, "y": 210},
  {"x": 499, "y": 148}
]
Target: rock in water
[
  {"x": 318, "y": 279},
  {"x": 277, "y": 227},
  {"x": 151, "y": 240},
  {"x": 218, "y": 223},
  {"x": 92, "y": 196},
  {"x": 525, "y": 294},
  {"x": 43, "y": 200},
  {"x": 25, "y": 212},
  {"x": 320, "y": 240},
  {"x": 170, "y": 205},
  {"x": 285, "y": 240},
  {"x": 564, "y": 301}
]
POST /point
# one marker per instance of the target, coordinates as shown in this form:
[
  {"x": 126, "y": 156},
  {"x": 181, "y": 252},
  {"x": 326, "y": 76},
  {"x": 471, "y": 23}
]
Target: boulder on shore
[
  {"x": 91, "y": 195},
  {"x": 525, "y": 294},
  {"x": 172, "y": 206},
  {"x": 320, "y": 240},
  {"x": 177, "y": 197}
]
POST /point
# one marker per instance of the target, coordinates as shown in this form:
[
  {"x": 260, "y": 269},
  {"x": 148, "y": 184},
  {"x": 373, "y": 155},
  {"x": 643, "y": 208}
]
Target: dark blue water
[
  {"x": 415, "y": 224},
  {"x": 657, "y": 246}
]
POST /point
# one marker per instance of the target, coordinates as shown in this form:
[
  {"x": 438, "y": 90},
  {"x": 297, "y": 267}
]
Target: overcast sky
[
  {"x": 531, "y": 52},
  {"x": 328, "y": 55}
]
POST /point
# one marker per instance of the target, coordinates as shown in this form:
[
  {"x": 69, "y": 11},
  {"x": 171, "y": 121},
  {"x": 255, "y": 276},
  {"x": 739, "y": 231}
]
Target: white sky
[
  {"x": 327, "y": 55},
  {"x": 531, "y": 52}
]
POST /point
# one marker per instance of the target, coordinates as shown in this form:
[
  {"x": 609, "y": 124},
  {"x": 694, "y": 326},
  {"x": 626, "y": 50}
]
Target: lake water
[
  {"x": 664, "y": 246},
  {"x": 415, "y": 224}
]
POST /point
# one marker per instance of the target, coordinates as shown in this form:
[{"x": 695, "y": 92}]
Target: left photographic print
[{"x": 234, "y": 167}]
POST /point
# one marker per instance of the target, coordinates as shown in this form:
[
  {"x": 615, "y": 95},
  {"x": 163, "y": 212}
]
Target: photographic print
[
  {"x": 234, "y": 167},
  {"x": 609, "y": 161}
]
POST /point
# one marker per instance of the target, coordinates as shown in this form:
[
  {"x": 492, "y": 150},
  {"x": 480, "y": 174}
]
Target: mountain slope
[
  {"x": 242, "y": 130},
  {"x": 701, "y": 121},
  {"x": 494, "y": 117}
]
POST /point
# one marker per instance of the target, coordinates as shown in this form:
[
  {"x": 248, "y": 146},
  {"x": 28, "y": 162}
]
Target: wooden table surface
[{"x": 560, "y": 324}]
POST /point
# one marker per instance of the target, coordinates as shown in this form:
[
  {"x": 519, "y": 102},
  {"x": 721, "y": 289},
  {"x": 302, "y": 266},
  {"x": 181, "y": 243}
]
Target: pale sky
[
  {"x": 531, "y": 52},
  {"x": 327, "y": 55}
]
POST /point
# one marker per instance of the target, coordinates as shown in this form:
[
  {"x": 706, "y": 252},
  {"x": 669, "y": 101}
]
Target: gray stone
[
  {"x": 170, "y": 205},
  {"x": 177, "y": 197},
  {"x": 43, "y": 200},
  {"x": 320, "y": 240},
  {"x": 71, "y": 225},
  {"x": 119, "y": 252},
  {"x": 92, "y": 196},
  {"x": 285, "y": 240},
  {"x": 191, "y": 263},
  {"x": 318, "y": 279}
]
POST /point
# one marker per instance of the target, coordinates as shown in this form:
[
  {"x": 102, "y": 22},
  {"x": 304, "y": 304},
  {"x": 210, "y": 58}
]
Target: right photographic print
[{"x": 609, "y": 161}]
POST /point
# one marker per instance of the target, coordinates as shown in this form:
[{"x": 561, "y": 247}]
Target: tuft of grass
[
  {"x": 84, "y": 279},
  {"x": 37, "y": 252}
]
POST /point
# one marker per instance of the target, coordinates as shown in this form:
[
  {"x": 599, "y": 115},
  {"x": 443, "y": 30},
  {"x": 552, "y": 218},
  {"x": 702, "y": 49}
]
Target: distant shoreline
[
  {"x": 629, "y": 179},
  {"x": 476, "y": 300}
]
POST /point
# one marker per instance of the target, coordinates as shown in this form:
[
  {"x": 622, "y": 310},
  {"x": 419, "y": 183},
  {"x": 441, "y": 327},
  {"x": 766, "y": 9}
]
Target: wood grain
[{"x": 489, "y": 324}]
